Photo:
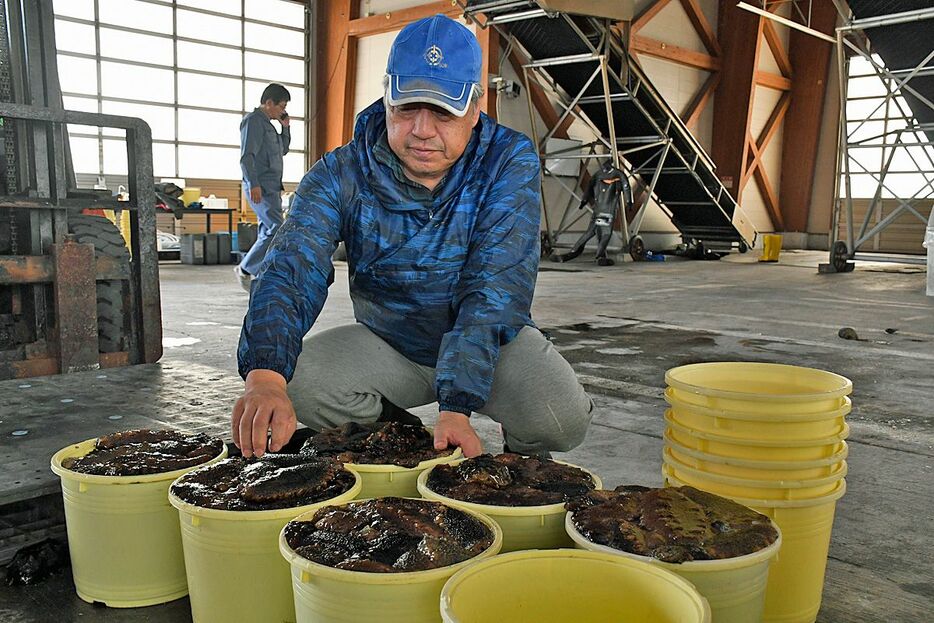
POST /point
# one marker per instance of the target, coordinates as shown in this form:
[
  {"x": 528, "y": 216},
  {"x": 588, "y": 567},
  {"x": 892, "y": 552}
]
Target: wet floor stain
[{"x": 175, "y": 342}]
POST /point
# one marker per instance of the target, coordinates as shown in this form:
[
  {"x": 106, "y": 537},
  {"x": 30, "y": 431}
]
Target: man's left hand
[
  {"x": 454, "y": 429},
  {"x": 285, "y": 122}
]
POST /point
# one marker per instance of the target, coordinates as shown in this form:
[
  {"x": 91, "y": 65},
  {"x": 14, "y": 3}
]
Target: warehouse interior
[{"x": 781, "y": 161}]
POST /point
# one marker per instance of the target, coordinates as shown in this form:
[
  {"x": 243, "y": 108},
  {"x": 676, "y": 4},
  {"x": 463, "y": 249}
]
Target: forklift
[{"x": 73, "y": 296}]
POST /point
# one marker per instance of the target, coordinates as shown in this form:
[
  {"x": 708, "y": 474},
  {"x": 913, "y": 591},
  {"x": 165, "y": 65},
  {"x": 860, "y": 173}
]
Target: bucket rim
[
  {"x": 839, "y": 472},
  {"x": 385, "y": 468},
  {"x": 367, "y": 577},
  {"x": 84, "y": 447},
  {"x": 496, "y": 510},
  {"x": 701, "y": 606},
  {"x": 845, "y": 385},
  {"x": 722, "y": 564},
  {"x": 764, "y": 443},
  {"x": 836, "y": 457},
  {"x": 747, "y": 416},
  {"x": 755, "y": 503},
  {"x": 265, "y": 515}
]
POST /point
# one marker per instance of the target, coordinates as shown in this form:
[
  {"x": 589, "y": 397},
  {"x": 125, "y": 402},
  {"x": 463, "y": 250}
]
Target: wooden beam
[
  {"x": 702, "y": 26},
  {"x": 349, "y": 89},
  {"x": 336, "y": 48},
  {"x": 778, "y": 50},
  {"x": 740, "y": 37},
  {"x": 693, "y": 111},
  {"x": 774, "y": 121},
  {"x": 773, "y": 81},
  {"x": 395, "y": 20},
  {"x": 647, "y": 14},
  {"x": 674, "y": 53},
  {"x": 810, "y": 60},
  {"x": 767, "y": 190},
  {"x": 490, "y": 45},
  {"x": 768, "y": 132}
]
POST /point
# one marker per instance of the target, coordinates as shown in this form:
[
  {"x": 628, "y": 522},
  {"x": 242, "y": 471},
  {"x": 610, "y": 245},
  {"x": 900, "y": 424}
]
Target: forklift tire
[{"x": 113, "y": 318}]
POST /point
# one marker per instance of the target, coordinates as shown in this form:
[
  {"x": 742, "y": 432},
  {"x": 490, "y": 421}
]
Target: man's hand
[
  {"x": 264, "y": 406},
  {"x": 256, "y": 194},
  {"x": 454, "y": 429},
  {"x": 285, "y": 121}
]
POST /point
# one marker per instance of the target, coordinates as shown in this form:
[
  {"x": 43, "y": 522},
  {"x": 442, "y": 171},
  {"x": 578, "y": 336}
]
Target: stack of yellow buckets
[{"x": 770, "y": 437}]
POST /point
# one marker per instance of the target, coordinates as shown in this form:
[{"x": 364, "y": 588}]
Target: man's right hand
[
  {"x": 264, "y": 406},
  {"x": 256, "y": 194}
]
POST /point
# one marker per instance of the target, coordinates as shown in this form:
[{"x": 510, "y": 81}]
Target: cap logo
[{"x": 434, "y": 56}]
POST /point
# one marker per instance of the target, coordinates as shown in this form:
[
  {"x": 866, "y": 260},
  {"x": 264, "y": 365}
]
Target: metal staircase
[{"x": 582, "y": 62}]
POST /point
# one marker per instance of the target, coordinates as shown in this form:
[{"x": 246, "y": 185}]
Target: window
[
  {"x": 191, "y": 69},
  {"x": 877, "y": 134}
]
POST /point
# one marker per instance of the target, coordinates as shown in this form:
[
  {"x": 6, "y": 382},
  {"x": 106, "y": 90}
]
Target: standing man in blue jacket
[
  {"x": 439, "y": 209},
  {"x": 261, "y": 152}
]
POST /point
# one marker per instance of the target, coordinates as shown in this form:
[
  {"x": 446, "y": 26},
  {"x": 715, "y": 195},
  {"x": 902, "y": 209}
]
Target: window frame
[{"x": 174, "y": 104}]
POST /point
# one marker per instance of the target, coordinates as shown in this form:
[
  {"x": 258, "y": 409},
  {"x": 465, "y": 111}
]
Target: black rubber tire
[
  {"x": 637, "y": 249},
  {"x": 839, "y": 256},
  {"x": 113, "y": 317}
]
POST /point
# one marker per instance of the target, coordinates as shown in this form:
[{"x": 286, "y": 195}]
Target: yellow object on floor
[
  {"x": 796, "y": 580},
  {"x": 771, "y": 247},
  {"x": 325, "y": 594},
  {"x": 524, "y": 527},
  {"x": 379, "y": 481},
  {"x": 235, "y": 572},
  {"x": 564, "y": 585},
  {"x": 123, "y": 536},
  {"x": 734, "y": 587}
]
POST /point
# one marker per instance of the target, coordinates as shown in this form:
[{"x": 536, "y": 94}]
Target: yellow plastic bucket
[
  {"x": 734, "y": 587},
  {"x": 766, "y": 388},
  {"x": 380, "y": 480},
  {"x": 569, "y": 586},
  {"x": 796, "y": 579},
  {"x": 524, "y": 527},
  {"x": 764, "y": 449},
  {"x": 758, "y": 426},
  {"x": 327, "y": 595},
  {"x": 729, "y": 486},
  {"x": 123, "y": 535},
  {"x": 191, "y": 194},
  {"x": 753, "y": 469},
  {"x": 771, "y": 247},
  {"x": 235, "y": 572}
]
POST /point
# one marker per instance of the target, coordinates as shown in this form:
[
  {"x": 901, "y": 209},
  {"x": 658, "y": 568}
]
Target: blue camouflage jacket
[{"x": 445, "y": 277}]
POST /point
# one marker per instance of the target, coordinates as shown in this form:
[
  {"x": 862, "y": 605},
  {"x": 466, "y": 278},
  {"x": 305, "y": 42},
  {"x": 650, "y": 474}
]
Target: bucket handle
[{"x": 306, "y": 577}]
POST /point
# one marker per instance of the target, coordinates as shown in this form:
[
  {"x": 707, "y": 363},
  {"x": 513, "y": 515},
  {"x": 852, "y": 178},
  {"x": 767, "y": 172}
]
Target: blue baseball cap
[{"x": 437, "y": 61}]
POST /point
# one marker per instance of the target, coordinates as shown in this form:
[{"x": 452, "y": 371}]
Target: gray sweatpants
[{"x": 343, "y": 374}]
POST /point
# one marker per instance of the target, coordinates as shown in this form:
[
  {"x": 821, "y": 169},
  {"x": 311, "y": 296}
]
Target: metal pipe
[
  {"x": 888, "y": 20},
  {"x": 786, "y": 22},
  {"x": 516, "y": 17},
  {"x": 564, "y": 60}
]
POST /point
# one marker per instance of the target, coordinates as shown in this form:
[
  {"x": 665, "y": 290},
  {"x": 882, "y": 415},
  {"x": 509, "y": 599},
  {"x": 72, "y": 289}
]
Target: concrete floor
[{"x": 621, "y": 328}]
